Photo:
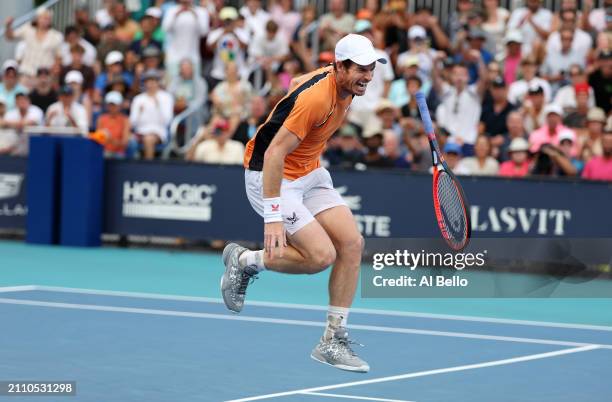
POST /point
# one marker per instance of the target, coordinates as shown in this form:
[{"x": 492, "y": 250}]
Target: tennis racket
[{"x": 450, "y": 203}]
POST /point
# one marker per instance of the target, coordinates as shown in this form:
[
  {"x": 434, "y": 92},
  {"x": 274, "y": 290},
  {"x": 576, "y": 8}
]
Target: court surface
[{"x": 142, "y": 325}]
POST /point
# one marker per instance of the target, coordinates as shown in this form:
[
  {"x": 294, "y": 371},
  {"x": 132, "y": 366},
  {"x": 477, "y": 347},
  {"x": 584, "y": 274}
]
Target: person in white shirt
[
  {"x": 24, "y": 114},
  {"x": 227, "y": 43},
  {"x": 363, "y": 107},
  {"x": 534, "y": 22},
  {"x": 460, "y": 106},
  {"x": 104, "y": 16},
  {"x": 419, "y": 47},
  {"x": 482, "y": 163},
  {"x": 214, "y": 145},
  {"x": 268, "y": 50},
  {"x": 255, "y": 17},
  {"x": 67, "y": 112},
  {"x": 558, "y": 61},
  {"x": 72, "y": 38},
  {"x": 566, "y": 96},
  {"x": 151, "y": 113},
  {"x": 184, "y": 24},
  {"x": 518, "y": 89}
]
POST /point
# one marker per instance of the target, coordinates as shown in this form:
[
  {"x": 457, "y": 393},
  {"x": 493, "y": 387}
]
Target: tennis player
[{"x": 307, "y": 224}]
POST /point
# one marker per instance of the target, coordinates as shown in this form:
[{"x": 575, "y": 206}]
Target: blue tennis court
[{"x": 153, "y": 328}]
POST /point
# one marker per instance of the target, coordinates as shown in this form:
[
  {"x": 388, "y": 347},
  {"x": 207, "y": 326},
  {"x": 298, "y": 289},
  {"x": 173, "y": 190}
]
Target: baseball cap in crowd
[
  {"x": 411, "y": 60},
  {"x": 66, "y": 90},
  {"x": 581, "y": 87},
  {"x": 553, "y": 108},
  {"x": 452, "y": 148},
  {"x": 518, "y": 145},
  {"x": 358, "y": 49},
  {"x": 374, "y": 127},
  {"x": 499, "y": 82},
  {"x": 567, "y": 135},
  {"x": 151, "y": 75},
  {"x": 477, "y": 33},
  {"x": 113, "y": 57},
  {"x": 151, "y": 51},
  {"x": 417, "y": 32},
  {"x": 348, "y": 130},
  {"x": 596, "y": 114},
  {"x": 384, "y": 104},
  {"x": 114, "y": 97},
  {"x": 154, "y": 12},
  {"x": 535, "y": 89},
  {"x": 74, "y": 77},
  {"x": 10, "y": 64},
  {"x": 513, "y": 36},
  {"x": 362, "y": 26},
  {"x": 228, "y": 13}
]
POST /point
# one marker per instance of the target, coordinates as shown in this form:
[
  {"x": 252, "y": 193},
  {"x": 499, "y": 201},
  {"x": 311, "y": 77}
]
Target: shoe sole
[
  {"x": 360, "y": 369},
  {"x": 225, "y": 258}
]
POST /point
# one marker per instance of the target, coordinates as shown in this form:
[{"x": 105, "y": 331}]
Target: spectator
[
  {"x": 81, "y": 18},
  {"x": 581, "y": 42},
  {"x": 184, "y": 24},
  {"x": 373, "y": 141},
  {"x": 228, "y": 44},
  {"x": 452, "y": 155},
  {"x": 559, "y": 61},
  {"x": 518, "y": 89},
  {"x": 518, "y": 165},
  {"x": 411, "y": 109},
  {"x": 43, "y": 94},
  {"x": 9, "y": 86},
  {"x": 576, "y": 119},
  {"x": 398, "y": 158},
  {"x": 217, "y": 146},
  {"x": 115, "y": 126},
  {"x": 231, "y": 97},
  {"x": 494, "y": 24},
  {"x": 600, "y": 79},
  {"x": 257, "y": 116},
  {"x": 108, "y": 44},
  {"x": 23, "y": 115},
  {"x": 473, "y": 52},
  {"x": 76, "y": 64},
  {"x": 534, "y": 22},
  {"x": 268, "y": 50},
  {"x": 567, "y": 142},
  {"x": 146, "y": 35},
  {"x": 104, "y": 16},
  {"x": 67, "y": 112},
  {"x": 344, "y": 149},
  {"x": 495, "y": 113},
  {"x": 152, "y": 16},
  {"x": 511, "y": 60},
  {"x": 481, "y": 164},
  {"x": 387, "y": 116},
  {"x": 362, "y": 108},
  {"x": 550, "y": 133},
  {"x": 398, "y": 91},
  {"x": 74, "y": 79},
  {"x": 458, "y": 20},
  {"x": 125, "y": 27},
  {"x": 335, "y": 24},
  {"x": 188, "y": 88},
  {"x": 151, "y": 113},
  {"x": 72, "y": 38},
  {"x": 8, "y": 137},
  {"x": 282, "y": 12},
  {"x": 533, "y": 108},
  {"x": 516, "y": 129},
  {"x": 302, "y": 41},
  {"x": 255, "y": 17},
  {"x": 459, "y": 111},
  {"x": 595, "y": 122},
  {"x": 41, "y": 41},
  {"x": 420, "y": 48},
  {"x": 600, "y": 167},
  {"x": 566, "y": 96},
  {"x": 114, "y": 71},
  {"x": 594, "y": 19},
  {"x": 424, "y": 17},
  {"x": 93, "y": 35}
]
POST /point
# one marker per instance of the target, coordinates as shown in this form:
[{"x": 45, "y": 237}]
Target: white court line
[
  {"x": 228, "y": 317},
  {"x": 363, "y": 398},
  {"x": 157, "y": 296},
  {"x": 23, "y": 288},
  {"x": 425, "y": 373}
]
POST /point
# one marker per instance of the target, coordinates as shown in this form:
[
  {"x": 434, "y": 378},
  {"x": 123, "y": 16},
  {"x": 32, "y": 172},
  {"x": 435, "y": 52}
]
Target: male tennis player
[{"x": 307, "y": 225}]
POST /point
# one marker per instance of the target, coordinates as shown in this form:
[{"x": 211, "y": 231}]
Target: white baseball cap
[
  {"x": 567, "y": 135},
  {"x": 513, "y": 35},
  {"x": 114, "y": 97},
  {"x": 417, "y": 31},
  {"x": 10, "y": 64},
  {"x": 518, "y": 144},
  {"x": 154, "y": 12},
  {"x": 358, "y": 49},
  {"x": 113, "y": 57},
  {"x": 553, "y": 108},
  {"x": 74, "y": 76}
]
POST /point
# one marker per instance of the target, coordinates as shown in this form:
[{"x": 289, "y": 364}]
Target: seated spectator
[
  {"x": 150, "y": 60},
  {"x": 40, "y": 39},
  {"x": 599, "y": 80},
  {"x": 424, "y": 17},
  {"x": 345, "y": 149},
  {"x": 516, "y": 129},
  {"x": 387, "y": 115},
  {"x": 302, "y": 40},
  {"x": 8, "y": 137},
  {"x": 496, "y": 18},
  {"x": 600, "y": 167},
  {"x": 151, "y": 113},
  {"x": 125, "y": 27},
  {"x": 335, "y": 24},
  {"x": 533, "y": 108},
  {"x": 476, "y": 38},
  {"x": 72, "y": 39},
  {"x": 535, "y": 24},
  {"x": 9, "y": 86},
  {"x": 104, "y": 16},
  {"x": 518, "y": 164},
  {"x": 580, "y": 43},
  {"x": 187, "y": 88},
  {"x": 553, "y": 160},
  {"x": 76, "y": 63},
  {"x": 255, "y": 17},
  {"x": 495, "y": 112},
  {"x": 269, "y": 49},
  {"x": 227, "y": 43},
  {"x": 67, "y": 112},
  {"x": 518, "y": 89},
  {"x": 410, "y": 109},
  {"x": 511, "y": 60},
  {"x": 74, "y": 79},
  {"x": 114, "y": 71},
  {"x": 150, "y": 32},
  {"x": 398, "y": 92},
  {"x": 576, "y": 119},
  {"x": 558, "y": 61},
  {"x": 452, "y": 155},
  {"x": 595, "y": 123},
  {"x": 567, "y": 142},
  {"x": 550, "y": 132},
  {"x": 398, "y": 158},
  {"x": 217, "y": 146},
  {"x": 23, "y": 115},
  {"x": 373, "y": 141},
  {"x": 481, "y": 164},
  {"x": 418, "y": 46},
  {"x": 282, "y": 12},
  {"x": 115, "y": 126},
  {"x": 566, "y": 96},
  {"x": 231, "y": 96},
  {"x": 109, "y": 43},
  {"x": 257, "y": 116}
]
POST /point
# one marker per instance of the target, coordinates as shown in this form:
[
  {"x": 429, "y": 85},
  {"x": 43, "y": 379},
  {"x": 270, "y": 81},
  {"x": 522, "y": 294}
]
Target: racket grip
[{"x": 424, "y": 110}]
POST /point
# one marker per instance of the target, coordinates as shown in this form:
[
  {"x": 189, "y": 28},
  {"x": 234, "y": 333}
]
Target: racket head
[{"x": 451, "y": 208}]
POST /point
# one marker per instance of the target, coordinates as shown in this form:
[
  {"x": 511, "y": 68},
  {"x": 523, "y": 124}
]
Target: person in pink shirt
[
  {"x": 600, "y": 167},
  {"x": 549, "y": 132},
  {"x": 518, "y": 165},
  {"x": 512, "y": 61}
]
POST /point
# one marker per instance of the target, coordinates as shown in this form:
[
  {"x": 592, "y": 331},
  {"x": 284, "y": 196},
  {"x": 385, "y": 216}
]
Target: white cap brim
[{"x": 368, "y": 58}]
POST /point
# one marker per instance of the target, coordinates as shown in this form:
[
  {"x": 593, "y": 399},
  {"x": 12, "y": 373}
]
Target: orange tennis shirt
[{"x": 313, "y": 112}]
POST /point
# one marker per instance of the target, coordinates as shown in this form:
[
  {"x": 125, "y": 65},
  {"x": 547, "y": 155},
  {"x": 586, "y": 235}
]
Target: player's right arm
[{"x": 283, "y": 144}]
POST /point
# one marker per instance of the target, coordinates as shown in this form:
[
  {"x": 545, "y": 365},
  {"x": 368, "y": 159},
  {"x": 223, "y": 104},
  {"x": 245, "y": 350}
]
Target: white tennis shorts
[{"x": 301, "y": 199}]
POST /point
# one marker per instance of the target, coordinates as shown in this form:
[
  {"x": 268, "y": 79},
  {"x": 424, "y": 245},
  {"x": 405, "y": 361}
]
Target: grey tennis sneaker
[
  {"x": 337, "y": 352},
  {"x": 236, "y": 278}
]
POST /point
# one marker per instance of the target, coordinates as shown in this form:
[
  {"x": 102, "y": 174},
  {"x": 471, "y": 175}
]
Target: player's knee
[
  {"x": 353, "y": 247},
  {"x": 322, "y": 260}
]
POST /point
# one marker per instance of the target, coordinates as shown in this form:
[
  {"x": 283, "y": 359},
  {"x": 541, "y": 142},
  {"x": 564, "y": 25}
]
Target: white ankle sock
[
  {"x": 336, "y": 317},
  {"x": 253, "y": 258}
]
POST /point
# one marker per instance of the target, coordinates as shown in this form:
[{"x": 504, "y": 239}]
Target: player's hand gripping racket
[{"x": 450, "y": 203}]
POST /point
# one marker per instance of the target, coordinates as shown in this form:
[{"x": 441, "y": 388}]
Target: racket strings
[{"x": 453, "y": 214}]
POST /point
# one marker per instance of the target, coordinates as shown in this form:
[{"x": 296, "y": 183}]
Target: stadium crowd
[{"x": 513, "y": 92}]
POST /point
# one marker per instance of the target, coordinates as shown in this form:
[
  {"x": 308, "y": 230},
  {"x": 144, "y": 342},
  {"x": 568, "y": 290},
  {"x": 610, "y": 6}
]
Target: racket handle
[{"x": 424, "y": 110}]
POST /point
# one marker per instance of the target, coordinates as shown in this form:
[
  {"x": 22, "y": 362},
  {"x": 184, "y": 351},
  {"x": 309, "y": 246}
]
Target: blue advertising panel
[{"x": 13, "y": 207}]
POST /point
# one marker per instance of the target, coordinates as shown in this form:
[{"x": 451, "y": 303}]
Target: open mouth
[{"x": 361, "y": 85}]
